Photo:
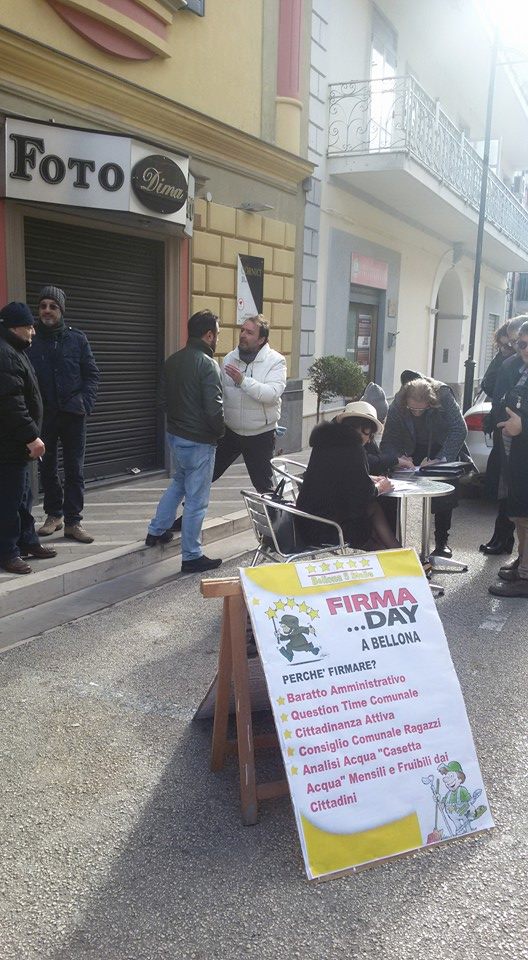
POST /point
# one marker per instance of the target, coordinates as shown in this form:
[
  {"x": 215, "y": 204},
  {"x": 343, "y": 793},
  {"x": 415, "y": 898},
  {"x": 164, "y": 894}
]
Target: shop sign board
[
  {"x": 250, "y": 287},
  {"x": 370, "y": 716},
  {"x": 46, "y": 163},
  {"x": 369, "y": 272}
]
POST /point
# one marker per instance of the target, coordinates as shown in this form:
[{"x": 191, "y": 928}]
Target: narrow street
[{"x": 119, "y": 843}]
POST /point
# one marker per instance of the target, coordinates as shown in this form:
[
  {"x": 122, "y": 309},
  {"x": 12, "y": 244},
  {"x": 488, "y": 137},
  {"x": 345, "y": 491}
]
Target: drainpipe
[{"x": 288, "y": 105}]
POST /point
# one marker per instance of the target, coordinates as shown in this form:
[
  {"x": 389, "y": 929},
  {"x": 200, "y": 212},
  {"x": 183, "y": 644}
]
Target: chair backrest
[
  {"x": 275, "y": 527},
  {"x": 291, "y": 471}
]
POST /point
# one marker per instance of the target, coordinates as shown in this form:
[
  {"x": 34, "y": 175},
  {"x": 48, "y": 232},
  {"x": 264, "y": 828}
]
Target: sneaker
[
  {"x": 511, "y": 565},
  {"x": 50, "y": 525},
  {"x": 151, "y": 540},
  {"x": 74, "y": 531},
  {"x": 199, "y": 565}
]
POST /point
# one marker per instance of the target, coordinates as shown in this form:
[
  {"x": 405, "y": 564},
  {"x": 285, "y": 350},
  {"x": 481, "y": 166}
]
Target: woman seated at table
[{"x": 337, "y": 484}]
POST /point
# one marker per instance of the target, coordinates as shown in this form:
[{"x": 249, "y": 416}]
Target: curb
[{"x": 23, "y": 593}]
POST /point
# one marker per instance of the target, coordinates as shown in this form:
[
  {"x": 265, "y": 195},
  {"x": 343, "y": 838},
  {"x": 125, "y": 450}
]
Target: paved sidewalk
[{"x": 118, "y": 516}]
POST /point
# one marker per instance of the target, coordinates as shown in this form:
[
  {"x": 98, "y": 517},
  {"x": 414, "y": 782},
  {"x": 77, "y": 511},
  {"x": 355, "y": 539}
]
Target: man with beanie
[
  {"x": 20, "y": 441},
  {"x": 68, "y": 376}
]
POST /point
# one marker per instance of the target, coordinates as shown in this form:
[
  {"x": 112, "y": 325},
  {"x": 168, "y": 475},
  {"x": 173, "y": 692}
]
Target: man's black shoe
[
  {"x": 177, "y": 525},
  {"x": 152, "y": 540},
  {"x": 199, "y": 565},
  {"x": 519, "y": 588}
]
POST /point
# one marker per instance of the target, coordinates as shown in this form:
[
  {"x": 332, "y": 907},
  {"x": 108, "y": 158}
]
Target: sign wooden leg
[
  {"x": 223, "y": 689},
  {"x": 246, "y": 755}
]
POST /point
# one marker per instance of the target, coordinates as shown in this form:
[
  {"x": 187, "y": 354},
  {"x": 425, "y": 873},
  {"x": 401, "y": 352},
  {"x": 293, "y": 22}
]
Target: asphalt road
[{"x": 119, "y": 844}]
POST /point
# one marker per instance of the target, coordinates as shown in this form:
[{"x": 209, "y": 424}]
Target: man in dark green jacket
[{"x": 192, "y": 399}]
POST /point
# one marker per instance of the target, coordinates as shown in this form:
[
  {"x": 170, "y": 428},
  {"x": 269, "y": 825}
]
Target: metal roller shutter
[{"x": 114, "y": 294}]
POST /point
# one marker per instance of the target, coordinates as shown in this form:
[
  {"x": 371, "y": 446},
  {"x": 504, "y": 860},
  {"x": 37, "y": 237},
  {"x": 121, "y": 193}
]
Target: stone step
[{"x": 24, "y": 592}]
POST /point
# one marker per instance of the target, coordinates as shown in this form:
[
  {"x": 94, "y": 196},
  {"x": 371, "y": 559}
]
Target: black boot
[
  {"x": 441, "y": 548},
  {"x": 502, "y": 538},
  {"x": 496, "y": 547},
  {"x": 442, "y": 527}
]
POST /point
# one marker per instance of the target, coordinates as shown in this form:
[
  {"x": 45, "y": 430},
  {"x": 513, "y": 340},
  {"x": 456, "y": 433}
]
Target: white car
[{"x": 479, "y": 443}]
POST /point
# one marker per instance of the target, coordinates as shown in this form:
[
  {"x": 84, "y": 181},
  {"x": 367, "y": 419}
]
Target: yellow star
[
  {"x": 325, "y": 567},
  {"x": 339, "y": 565},
  {"x": 270, "y": 612},
  {"x": 352, "y": 564},
  {"x": 365, "y": 562},
  {"x": 314, "y": 614},
  {"x": 303, "y": 608},
  {"x": 256, "y": 601},
  {"x": 291, "y": 751},
  {"x": 294, "y": 771},
  {"x": 287, "y": 734},
  {"x": 279, "y": 605},
  {"x": 281, "y": 701},
  {"x": 290, "y": 602},
  {"x": 284, "y": 717},
  {"x": 311, "y": 568}
]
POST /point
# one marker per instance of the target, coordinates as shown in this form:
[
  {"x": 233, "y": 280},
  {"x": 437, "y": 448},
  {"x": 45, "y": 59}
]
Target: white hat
[{"x": 362, "y": 409}]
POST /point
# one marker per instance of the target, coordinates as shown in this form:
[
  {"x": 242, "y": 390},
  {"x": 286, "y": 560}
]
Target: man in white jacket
[{"x": 253, "y": 378}]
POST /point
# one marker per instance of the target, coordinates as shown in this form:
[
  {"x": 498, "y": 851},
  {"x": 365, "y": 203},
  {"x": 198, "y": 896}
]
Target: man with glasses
[
  {"x": 68, "y": 377},
  {"x": 513, "y": 481}
]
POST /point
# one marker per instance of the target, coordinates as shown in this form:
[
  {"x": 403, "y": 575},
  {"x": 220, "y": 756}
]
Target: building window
[{"x": 522, "y": 287}]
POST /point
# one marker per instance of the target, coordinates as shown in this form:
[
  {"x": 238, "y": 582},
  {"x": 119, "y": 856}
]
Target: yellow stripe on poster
[
  {"x": 282, "y": 578},
  {"x": 330, "y": 852}
]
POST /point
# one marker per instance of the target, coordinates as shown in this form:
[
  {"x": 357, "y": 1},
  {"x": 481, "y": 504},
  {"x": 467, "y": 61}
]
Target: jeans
[
  {"x": 17, "y": 527},
  {"x": 192, "y": 473},
  {"x": 70, "y": 430}
]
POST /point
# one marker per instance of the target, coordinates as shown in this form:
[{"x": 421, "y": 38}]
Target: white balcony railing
[{"x": 396, "y": 115}]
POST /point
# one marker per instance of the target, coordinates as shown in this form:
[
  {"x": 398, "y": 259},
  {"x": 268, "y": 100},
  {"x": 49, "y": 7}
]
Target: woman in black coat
[{"x": 337, "y": 484}]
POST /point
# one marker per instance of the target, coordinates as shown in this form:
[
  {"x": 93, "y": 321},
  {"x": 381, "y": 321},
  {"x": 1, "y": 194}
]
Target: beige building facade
[{"x": 94, "y": 96}]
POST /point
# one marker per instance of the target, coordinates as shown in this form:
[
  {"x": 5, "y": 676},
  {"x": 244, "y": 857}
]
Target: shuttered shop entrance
[{"x": 114, "y": 294}]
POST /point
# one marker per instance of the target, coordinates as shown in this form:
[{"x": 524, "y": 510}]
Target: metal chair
[
  {"x": 284, "y": 468},
  {"x": 277, "y": 535}
]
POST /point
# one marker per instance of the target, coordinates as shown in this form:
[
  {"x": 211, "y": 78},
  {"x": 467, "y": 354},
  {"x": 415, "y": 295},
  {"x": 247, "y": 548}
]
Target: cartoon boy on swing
[{"x": 293, "y": 639}]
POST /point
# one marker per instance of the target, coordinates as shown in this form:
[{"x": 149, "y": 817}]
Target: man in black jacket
[
  {"x": 20, "y": 422},
  {"x": 67, "y": 374},
  {"x": 192, "y": 399}
]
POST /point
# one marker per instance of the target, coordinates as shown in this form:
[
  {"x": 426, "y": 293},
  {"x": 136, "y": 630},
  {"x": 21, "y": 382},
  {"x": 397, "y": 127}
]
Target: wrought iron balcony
[{"x": 395, "y": 115}]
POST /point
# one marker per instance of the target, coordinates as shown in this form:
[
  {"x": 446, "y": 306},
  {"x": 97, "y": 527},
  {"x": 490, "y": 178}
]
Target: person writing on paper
[
  {"x": 337, "y": 484},
  {"x": 381, "y": 463},
  {"x": 425, "y": 423}
]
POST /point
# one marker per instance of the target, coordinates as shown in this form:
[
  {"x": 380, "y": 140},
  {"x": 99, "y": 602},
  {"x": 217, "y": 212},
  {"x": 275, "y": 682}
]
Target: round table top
[{"x": 420, "y": 487}]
